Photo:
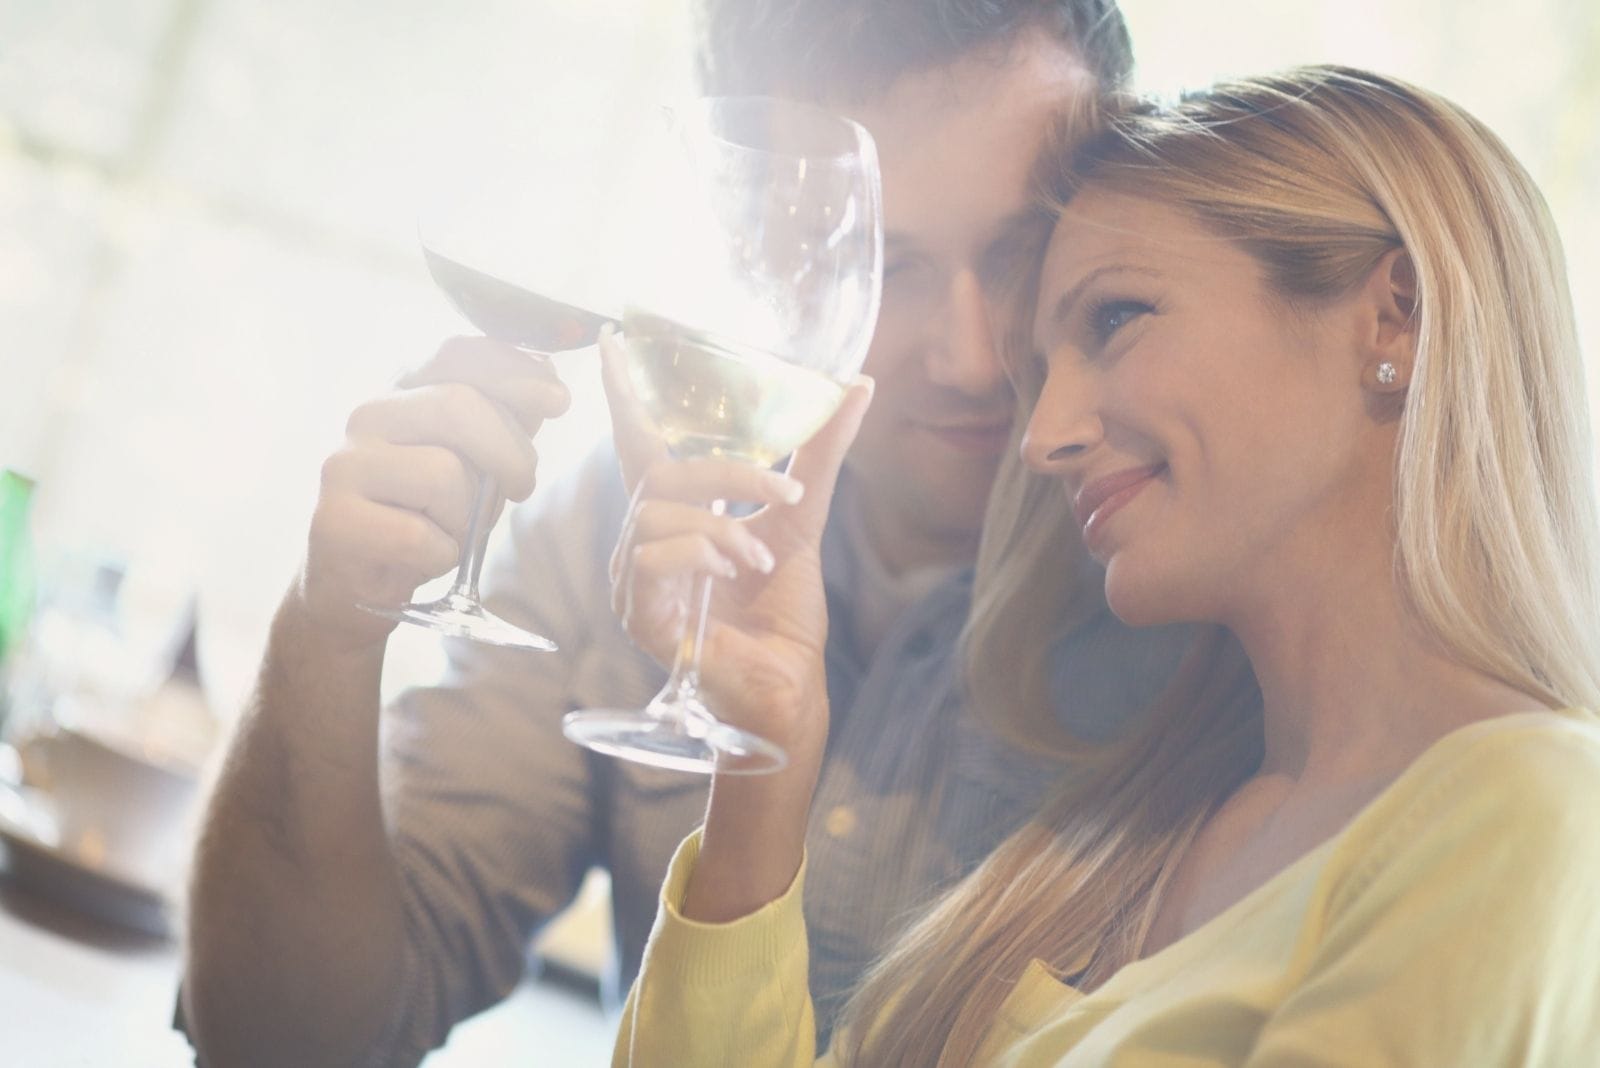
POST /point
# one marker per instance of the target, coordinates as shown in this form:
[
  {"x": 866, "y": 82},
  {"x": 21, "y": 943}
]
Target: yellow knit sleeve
[
  {"x": 720, "y": 994},
  {"x": 1466, "y": 930}
]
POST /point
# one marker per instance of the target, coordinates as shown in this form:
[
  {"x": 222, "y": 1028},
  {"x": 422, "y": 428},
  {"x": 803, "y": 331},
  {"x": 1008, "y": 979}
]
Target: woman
[{"x": 1304, "y": 367}]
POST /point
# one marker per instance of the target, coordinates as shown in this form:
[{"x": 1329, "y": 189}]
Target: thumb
[
  {"x": 638, "y": 444},
  {"x": 816, "y": 464}
]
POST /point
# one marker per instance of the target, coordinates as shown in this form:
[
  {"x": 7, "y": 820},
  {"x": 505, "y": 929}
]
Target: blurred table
[{"x": 78, "y": 993}]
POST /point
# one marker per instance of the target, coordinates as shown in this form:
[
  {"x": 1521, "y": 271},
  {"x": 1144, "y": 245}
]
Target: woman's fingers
[
  {"x": 816, "y": 464},
  {"x": 669, "y": 498},
  {"x": 652, "y": 521},
  {"x": 704, "y": 479},
  {"x": 651, "y": 595}
]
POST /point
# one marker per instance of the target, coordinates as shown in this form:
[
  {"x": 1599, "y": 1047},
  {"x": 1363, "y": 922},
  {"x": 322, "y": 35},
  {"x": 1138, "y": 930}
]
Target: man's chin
[
  {"x": 977, "y": 444},
  {"x": 950, "y": 512}
]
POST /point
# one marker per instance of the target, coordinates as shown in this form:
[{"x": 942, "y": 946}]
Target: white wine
[{"x": 710, "y": 397}]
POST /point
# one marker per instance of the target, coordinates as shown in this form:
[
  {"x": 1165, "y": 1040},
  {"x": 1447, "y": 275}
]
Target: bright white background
[{"x": 207, "y": 217}]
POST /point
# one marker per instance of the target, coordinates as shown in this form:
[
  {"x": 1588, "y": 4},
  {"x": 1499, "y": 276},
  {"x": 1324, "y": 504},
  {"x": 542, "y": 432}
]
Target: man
[{"x": 366, "y": 879}]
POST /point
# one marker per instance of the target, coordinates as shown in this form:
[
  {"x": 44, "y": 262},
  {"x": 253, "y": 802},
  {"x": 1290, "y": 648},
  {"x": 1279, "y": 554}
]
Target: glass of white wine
[{"x": 760, "y": 269}]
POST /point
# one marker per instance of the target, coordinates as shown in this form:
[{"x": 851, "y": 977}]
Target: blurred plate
[{"x": 35, "y": 859}]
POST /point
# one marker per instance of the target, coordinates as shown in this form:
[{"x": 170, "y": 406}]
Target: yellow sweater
[{"x": 1454, "y": 922}]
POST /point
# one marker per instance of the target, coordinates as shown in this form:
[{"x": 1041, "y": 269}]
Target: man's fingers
[
  {"x": 526, "y": 385},
  {"x": 458, "y": 417},
  {"x": 375, "y": 553},
  {"x": 419, "y": 478}
]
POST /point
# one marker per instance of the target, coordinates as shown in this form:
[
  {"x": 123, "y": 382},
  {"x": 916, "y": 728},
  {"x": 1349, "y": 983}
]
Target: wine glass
[
  {"x": 760, "y": 270},
  {"x": 485, "y": 237}
]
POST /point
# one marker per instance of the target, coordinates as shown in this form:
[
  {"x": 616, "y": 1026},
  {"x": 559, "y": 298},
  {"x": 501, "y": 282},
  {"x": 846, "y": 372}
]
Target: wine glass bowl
[{"x": 757, "y": 273}]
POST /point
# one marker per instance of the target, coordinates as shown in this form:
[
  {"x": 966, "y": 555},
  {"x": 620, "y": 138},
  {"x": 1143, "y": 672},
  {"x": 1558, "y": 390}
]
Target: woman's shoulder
[
  {"x": 1528, "y": 757},
  {"x": 1517, "y": 790}
]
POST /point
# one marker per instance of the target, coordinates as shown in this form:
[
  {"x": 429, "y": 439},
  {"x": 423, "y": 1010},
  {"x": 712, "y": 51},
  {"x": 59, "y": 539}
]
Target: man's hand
[{"x": 397, "y": 496}]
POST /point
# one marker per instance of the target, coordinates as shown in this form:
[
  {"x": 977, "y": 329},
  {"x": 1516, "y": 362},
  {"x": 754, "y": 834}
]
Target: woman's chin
[{"x": 1141, "y": 603}]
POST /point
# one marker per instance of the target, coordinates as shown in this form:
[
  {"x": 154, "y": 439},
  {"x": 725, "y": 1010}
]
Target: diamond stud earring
[{"x": 1387, "y": 373}]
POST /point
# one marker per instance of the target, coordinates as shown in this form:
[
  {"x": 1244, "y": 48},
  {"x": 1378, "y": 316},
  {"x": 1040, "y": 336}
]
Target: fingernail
[
  {"x": 790, "y": 490},
  {"x": 763, "y": 558}
]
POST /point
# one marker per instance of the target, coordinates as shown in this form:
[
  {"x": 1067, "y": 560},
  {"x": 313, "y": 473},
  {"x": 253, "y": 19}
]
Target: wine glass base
[
  {"x": 463, "y": 617},
  {"x": 704, "y": 747}
]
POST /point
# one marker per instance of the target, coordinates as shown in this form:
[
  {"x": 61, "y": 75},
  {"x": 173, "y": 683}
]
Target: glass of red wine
[{"x": 487, "y": 241}]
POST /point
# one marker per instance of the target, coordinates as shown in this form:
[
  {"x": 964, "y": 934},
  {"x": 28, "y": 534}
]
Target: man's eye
[
  {"x": 909, "y": 278},
  {"x": 1107, "y": 317}
]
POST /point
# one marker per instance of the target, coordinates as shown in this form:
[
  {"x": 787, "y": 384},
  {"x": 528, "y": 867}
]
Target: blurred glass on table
[{"x": 106, "y": 735}]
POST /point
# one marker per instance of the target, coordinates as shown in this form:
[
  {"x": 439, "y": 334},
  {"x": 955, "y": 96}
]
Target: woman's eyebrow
[{"x": 1068, "y": 300}]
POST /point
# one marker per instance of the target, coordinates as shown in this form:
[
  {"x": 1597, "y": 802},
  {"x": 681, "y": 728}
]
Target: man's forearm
[{"x": 296, "y": 927}]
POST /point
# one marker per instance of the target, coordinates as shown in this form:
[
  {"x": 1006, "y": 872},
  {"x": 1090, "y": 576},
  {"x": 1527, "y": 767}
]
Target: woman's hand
[
  {"x": 762, "y": 660},
  {"x": 762, "y": 664}
]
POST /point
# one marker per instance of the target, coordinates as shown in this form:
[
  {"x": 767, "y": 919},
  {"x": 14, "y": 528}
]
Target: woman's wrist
[{"x": 753, "y": 840}]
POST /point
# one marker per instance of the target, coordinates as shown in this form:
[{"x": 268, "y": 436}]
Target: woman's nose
[{"x": 1065, "y": 423}]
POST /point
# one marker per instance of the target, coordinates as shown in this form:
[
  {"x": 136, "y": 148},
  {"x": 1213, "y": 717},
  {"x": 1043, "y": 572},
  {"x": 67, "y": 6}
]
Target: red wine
[{"x": 509, "y": 313}]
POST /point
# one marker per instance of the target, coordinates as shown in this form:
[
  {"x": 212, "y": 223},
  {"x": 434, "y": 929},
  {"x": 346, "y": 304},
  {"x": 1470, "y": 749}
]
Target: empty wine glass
[{"x": 760, "y": 267}]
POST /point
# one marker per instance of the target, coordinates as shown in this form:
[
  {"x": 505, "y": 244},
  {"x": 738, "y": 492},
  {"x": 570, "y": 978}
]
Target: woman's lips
[{"x": 1097, "y": 501}]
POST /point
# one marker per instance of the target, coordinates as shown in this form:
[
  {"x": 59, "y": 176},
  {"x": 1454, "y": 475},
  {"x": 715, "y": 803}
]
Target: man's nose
[
  {"x": 967, "y": 357},
  {"x": 1065, "y": 423}
]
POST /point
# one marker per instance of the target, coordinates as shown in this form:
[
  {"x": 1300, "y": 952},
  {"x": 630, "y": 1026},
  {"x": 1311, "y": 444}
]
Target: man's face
[{"x": 957, "y": 146}]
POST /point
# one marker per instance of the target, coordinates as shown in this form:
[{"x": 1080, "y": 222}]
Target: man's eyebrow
[
  {"x": 1025, "y": 231},
  {"x": 1069, "y": 299},
  {"x": 1022, "y": 224},
  {"x": 1020, "y": 229}
]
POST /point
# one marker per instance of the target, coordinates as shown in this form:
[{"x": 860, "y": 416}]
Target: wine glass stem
[
  {"x": 476, "y": 542},
  {"x": 683, "y": 685}
]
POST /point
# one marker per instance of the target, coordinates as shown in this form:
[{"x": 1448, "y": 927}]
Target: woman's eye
[{"x": 1107, "y": 317}]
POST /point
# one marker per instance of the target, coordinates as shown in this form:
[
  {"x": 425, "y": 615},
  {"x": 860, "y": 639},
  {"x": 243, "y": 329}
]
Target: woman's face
[{"x": 1216, "y": 444}]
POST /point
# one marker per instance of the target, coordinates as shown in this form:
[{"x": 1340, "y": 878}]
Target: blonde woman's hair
[{"x": 1317, "y": 172}]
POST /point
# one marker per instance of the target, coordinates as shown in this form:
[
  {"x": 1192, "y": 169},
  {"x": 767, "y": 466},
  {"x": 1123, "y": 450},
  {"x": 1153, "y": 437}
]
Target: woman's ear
[{"x": 1388, "y": 323}]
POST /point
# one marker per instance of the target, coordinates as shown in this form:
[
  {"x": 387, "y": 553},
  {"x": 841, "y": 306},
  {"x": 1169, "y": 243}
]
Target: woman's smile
[{"x": 1096, "y": 502}]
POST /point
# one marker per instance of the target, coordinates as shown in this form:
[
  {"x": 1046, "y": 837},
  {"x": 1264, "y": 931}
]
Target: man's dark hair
[{"x": 856, "y": 49}]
